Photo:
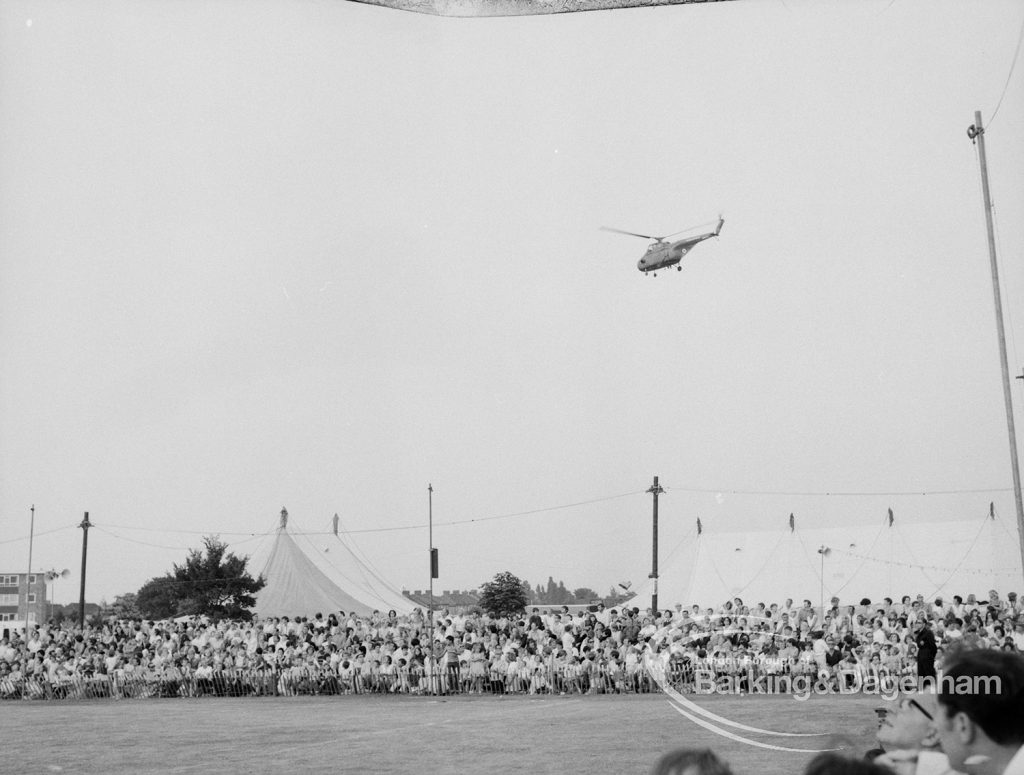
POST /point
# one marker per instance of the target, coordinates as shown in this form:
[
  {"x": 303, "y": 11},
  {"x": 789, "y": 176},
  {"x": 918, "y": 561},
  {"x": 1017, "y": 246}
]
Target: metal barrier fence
[{"x": 553, "y": 678}]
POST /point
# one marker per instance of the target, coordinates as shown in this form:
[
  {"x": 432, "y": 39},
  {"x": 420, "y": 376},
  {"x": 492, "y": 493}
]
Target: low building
[{"x": 455, "y": 601}]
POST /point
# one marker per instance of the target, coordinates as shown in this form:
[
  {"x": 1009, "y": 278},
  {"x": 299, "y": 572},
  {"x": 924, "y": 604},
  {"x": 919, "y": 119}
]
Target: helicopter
[{"x": 661, "y": 254}]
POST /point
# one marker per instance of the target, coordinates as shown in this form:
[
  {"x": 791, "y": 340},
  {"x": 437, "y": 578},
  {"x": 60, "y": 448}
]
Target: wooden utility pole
[
  {"x": 85, "y": 547},
  {"x": 977, "y": 134},
  {"x": 655, "y": 489}
]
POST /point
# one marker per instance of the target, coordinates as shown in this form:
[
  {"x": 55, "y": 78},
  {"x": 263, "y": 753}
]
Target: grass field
[{"x": 589, "y": 734}]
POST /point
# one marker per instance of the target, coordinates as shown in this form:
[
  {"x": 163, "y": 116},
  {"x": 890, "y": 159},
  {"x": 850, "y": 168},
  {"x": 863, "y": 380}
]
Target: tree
[
  {"x": 125, "y": 606},
  {"x": 156, "y": 600},
  {"x": 506, "y": 595},
  {"x": 585, "y": 595},
  {"x": 563, "y": 595},
  {"x": 555, "y": 593},
  {"x": 213, "y": 583},
  {"x": 552, "y": 591}
]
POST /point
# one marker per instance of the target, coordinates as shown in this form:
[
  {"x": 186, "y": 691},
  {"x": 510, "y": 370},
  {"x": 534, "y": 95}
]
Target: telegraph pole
[
  {"x": 655, "y": 489},
  {"x": 85, "y": 545},
  {"x": 977, "y": 134}
]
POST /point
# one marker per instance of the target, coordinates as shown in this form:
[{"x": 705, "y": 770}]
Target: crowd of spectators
[{"x": 542, "y": 651}]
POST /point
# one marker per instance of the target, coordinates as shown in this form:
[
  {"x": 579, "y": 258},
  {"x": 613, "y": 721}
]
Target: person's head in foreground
[
  {"x": 908, "y": 726},
  {"x": 980, "y": 714},
  {"x": 691, "y": 761},
  {"x": 908, "y": 738}
]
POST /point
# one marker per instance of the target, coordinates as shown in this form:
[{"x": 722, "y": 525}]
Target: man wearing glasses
[{"x": 909, "y": 740}]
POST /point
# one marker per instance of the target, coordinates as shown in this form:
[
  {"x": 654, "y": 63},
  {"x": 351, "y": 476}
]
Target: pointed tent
[{"x": 304, "y": 581}]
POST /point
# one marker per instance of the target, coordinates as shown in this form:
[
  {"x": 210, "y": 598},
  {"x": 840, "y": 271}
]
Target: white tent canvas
[
  {"x": 860, "y": 561},
  {"x": 306, "y": 577}
]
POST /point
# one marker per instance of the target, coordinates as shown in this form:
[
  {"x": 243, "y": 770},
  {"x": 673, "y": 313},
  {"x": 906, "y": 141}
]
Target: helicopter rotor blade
[
  {"x": 630, "y": 233},
  {"x": 675, "y": 233},
  {"x": 693, "y": 229}
]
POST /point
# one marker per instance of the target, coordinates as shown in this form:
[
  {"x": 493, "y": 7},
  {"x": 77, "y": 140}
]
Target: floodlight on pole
[
  {"x": 28, "y": 576},
  {"x": 824, "y": 551},
  {"x": 51, "y": 577}
]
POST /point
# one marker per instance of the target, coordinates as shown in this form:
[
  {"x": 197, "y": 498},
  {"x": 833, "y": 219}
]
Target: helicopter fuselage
[{"x": 661, "y": 254}]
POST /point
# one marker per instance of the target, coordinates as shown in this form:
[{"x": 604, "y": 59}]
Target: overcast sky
[{"x": 320, "y": 254}]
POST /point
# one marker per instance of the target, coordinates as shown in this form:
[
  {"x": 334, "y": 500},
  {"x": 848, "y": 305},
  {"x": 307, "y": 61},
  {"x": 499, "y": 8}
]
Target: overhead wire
[
  {"x": 39, "y": 534},
  {"x": 1009, "y": 75},
  {"x": 910, "y": 553},
  {"x": 963, "y": 557},
  {"x": 679, "y": 543},
  {"x": 782, "y": 535},
  {"x": 810, "y": 561},
  {"x": 714, "y": 567},
  {"x": 726, "y": 491},
  {"x": 373, "y": 571},
  {"x": 102, "y": 529},
  {"x": 693, "y": 567},
  {"x": 696, "y": 559},
  {"x": 530, "y": 512},
  {"x": 305, "y": 536},
  {"x": 522, "y": 513},
  {"x": 1002, "y": 523},
  {"x": 870, "y": 550},
  {"x": 418, "y": 526},
  {"x": 942, "y": 569},
  {"x": 1005, "y": 294},
  {"x": 189, "y": 532},
  {"x": 361, "y": 556},
  {"x": 371, "y": 576}
]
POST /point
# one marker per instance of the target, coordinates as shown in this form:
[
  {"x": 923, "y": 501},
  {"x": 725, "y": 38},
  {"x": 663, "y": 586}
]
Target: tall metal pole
[
  {"x": 433, "y": 568},
  {"x": 28, "y": 576},
  {"x": 821, "y": 582},
  {"x": 85, "y": 546},
  {"x": 977, "y": 133},
  {"x": 655, "y": 489}
]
